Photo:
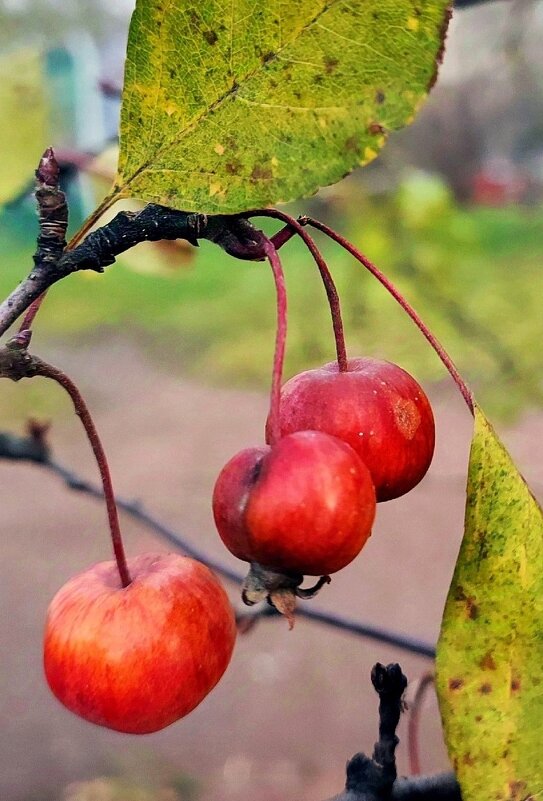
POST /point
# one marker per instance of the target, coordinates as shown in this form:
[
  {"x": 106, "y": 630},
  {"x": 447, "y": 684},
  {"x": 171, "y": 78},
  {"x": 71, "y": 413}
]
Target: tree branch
[
  {"x": 99, "y": 250},
  {"x": 234, "y": 234}
]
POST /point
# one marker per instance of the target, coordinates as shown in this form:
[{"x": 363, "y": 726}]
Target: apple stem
[
  {"x": 48, "y": 371},
  {"x": 389, "y": 286},
  {"x": 280, "y": 340},
  {"x": 283, "y": 236}
]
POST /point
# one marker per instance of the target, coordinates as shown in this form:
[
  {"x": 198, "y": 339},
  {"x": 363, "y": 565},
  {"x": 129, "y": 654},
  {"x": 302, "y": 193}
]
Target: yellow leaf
[{"x": 490, "y": 651}]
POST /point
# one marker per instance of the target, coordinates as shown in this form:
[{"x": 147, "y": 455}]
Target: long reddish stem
[
  {"x": 389, "y": 286},
  {"x": 413, "y": 726},
  {"x": 48, "y": 371},
  {"x": 274, "y": 421},
  {"x": 331, "y": 292},
  {"x": 31, "y": 313}
]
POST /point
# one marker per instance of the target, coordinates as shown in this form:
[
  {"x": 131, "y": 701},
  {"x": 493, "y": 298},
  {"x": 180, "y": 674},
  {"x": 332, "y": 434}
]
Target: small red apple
[
  {"x": 138, "y": 658},
  {"x": 375, "y": 407},
  {"x": 302, "y": 506}
]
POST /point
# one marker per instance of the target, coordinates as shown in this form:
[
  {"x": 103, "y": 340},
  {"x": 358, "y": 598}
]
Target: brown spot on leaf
[
  {"x": 467, "y": 759},
  {"x": 478, "y": 718},
  {"x": 195, "y": 19},
  {"x": 261, "y": 172},
  {"x": 376, "y": 128},
  {"x": 406, "y": 417},
  {"x": 233, "y": 167},
  {"x": 330, "y": 64},
  {"x": 485, "y": 688},
  {"x": 455, "y": 684},
  {"x": 487, "y": 662},
  {"x": 352, "y": 144},
  {"x": 440, "y": 52},
  {"x": 472, "y": 609},
  {"x": 210, "y": 37},
  {"x": 515, "y": 684},
  {"x": 516, "y": 790},
  {"x": 267, "y": 57}
]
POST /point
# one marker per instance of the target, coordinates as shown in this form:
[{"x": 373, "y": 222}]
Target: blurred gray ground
[{"x": 293, "y": 706}]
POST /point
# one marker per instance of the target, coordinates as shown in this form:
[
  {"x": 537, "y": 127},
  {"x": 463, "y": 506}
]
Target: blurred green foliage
[
  {"x": 474, "y": 274},
  {"x": 22, "y": 96}
]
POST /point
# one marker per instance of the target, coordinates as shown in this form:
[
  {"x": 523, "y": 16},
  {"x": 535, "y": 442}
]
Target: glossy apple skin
[
  {"x": 305, "y": 505},
  {"x": 139, "y": 658},
  {"x": 375, "y": 407}
]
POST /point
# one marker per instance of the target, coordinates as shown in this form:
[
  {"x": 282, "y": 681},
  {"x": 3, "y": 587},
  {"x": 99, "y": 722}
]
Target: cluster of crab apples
[
  {"x": 305, "y": 504},
  {"x": 137, "y": 658}
]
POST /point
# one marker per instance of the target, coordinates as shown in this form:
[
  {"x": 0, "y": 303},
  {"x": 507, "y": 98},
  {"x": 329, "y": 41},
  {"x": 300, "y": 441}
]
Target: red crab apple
[
  {"x": 302, "y": 506},
  {"x": 138, "y": 658},
  {"x": 374, "y": 406}
]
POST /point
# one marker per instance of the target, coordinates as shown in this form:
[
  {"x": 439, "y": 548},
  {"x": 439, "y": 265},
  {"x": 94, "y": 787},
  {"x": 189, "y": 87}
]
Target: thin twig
[{"x": 18, "y": 448}]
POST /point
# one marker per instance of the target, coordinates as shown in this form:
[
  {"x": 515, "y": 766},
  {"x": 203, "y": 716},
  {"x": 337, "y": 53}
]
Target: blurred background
[{"x": 172, "y": 348}]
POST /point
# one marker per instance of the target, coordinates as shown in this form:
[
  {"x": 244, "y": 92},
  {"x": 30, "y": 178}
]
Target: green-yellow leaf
[
  {"x": 490, "y": 652},
  {"x": 23, "y": 119},
  {"x": 230, "y": 106}
]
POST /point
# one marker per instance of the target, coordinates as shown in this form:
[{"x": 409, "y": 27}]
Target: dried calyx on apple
[{"x": 301, "y": 507}]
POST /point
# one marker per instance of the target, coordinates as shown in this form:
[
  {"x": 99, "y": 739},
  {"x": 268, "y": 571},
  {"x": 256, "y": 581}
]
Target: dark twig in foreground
[
  {"x": 375, "y": 779},
  {"x": 389, "y": 683},
  {"x": 28, "y": 449}
]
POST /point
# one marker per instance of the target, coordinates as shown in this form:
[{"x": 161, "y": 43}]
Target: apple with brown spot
[{"x": 375, "y": 407}]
